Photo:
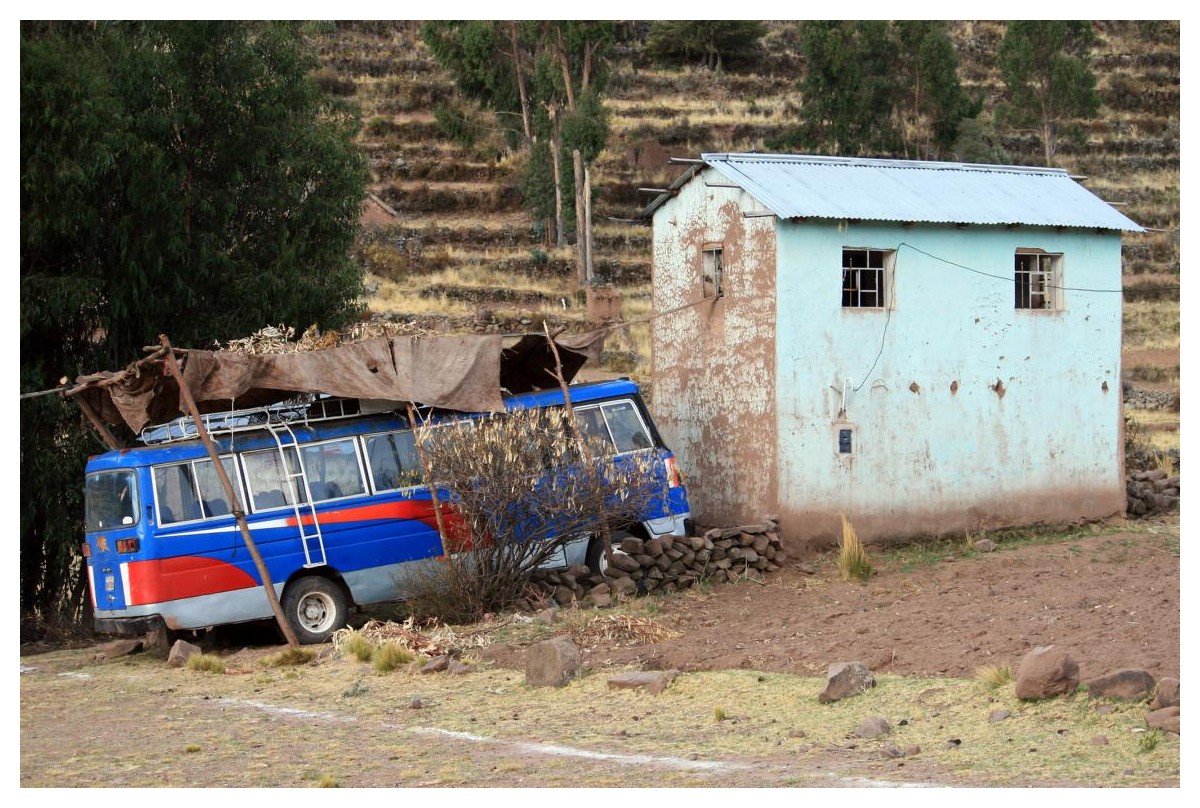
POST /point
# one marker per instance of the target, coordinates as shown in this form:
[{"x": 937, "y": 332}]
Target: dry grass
[
  {"x": 853, "y": 564},
  {"x": 995, "y": 675},
  {"x": 289, "y": 657},
  {"x": 206, "y": 663},
  {"x": 1151, "y": 325},
  {"x": 391, "y": 655}
]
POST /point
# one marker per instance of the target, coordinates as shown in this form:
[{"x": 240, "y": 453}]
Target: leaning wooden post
[
  {"x": 584, "y": 449},
  {"x": 236, "y": 507},
  {"x": 427, "y": 470}
]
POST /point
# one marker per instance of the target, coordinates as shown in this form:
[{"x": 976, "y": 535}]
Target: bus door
[{"x": 113, "y": 523}]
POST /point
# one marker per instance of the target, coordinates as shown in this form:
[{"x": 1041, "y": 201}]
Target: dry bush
[
  {"x": 206, "y": 663},
  {"x": 390, "y": 656},
  {"x": 289, "y": 657},
  {"x": 517, "y": 491},
  {"x": 852, "y": 558}
]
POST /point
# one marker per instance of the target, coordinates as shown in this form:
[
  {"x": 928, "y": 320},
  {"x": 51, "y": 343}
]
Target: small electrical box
[{"x": 845, "y": 441}]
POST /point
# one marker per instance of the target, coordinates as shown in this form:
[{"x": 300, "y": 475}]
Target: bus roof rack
[{"x": 304, "y": 410}]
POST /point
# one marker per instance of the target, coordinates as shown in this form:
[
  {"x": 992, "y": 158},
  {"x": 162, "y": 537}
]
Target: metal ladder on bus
[{"x": 314, "y": 556}]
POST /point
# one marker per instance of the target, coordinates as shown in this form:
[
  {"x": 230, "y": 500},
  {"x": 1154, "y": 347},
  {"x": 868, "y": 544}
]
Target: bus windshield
[{"x": 110, "y": 500}]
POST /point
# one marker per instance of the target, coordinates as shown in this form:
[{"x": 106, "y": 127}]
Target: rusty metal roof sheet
[{"x": 800, "y": 186}]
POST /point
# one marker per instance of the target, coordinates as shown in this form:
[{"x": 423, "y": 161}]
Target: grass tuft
[
  {"x": 852, "y": 558},
  {"x": 358, "y": 645},
  {"x": 995, "y": 675},
  {"x": 192, "y": 748},
  {"x": 327, "y": 781},
  {"x": 206, "y": 663},
  {"x": 288, "y": 657},
  {"x": 719, "y": 714},
  {"x": 390, "y": 656},
  {"x": 1149, "y": 741}
]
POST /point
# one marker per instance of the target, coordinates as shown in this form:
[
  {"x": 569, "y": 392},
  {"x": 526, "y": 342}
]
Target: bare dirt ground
[
  {"x": 1111, "y": 597},
  {"x": 1110, "y": 593}
]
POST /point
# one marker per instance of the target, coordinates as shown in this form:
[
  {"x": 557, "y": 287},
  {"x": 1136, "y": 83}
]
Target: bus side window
[
  {"x": 591, "y": 424},
  {"x": 628, "y": 433},
  {"x": 175, "y": 491},
  {"x": 332, "y": 469},
  {"x": 393, "y": 460}
]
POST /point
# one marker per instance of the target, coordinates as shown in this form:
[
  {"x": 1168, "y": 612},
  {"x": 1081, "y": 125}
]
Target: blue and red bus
[{"x": 334, "y": 498}]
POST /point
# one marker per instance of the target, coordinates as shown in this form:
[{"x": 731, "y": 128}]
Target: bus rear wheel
[{"x": 315, "y": 607}]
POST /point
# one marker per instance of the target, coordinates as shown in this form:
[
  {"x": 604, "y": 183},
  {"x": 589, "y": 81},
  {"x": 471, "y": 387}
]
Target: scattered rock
[
  {"x": 1166, "y": 719},
  {"x": 1046, "y": 671},
  {"x": 1099, "y": 740},
  {"x": 953, "y": 743},
  {"x": 846, "y": 679},
  {"x": 797, "y": 733},
  {"x": 436, "y": 665},
  {"x": 458, "y": 668},
  {"x": 180, "y": 653},
  {"x": 547, "y": 616},
  {"x": 552, "y": 663},
  {"x": 874, "y": 727},
  {"x": 890, "y": 751},
  {"x": 807, "y": 569},
  {"x": 1105, "y": 709},
  {"x": 998, "y": 715},
  {"x": 601, "y": 600},
  {"x": 416, "y": 703},
  {"x": 1125, "y": 685},
  {"x": 1167, "y": 694},
  {"x": 985, "y": 545},
  {"x": 911, "y": 750},
  {"x": 653, "y": 682}
]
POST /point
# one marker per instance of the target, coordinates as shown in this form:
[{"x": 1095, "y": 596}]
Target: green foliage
[
  {"x": 455, "y": 123},
  {"x": 186, "y": 178},
  {"x": 1045, "y": 67},
  {"x": 873, "y": 87},
  {"x": 848, "y": 87},
  {"x": 713, "y": 44},
  {"x": 1149, "y": 741}
]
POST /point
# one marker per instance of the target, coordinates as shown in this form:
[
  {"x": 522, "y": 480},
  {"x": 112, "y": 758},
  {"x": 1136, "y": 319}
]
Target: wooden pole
[
  {"x": 185, "y": 395},
  {"x": 584, "y": 449},
  {"x": 428, "y": 472},
  {"x": 98, "y": 424}
]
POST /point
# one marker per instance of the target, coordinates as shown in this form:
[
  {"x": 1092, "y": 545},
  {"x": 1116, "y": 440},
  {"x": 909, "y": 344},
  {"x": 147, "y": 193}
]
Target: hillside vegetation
[{"x": 462, "y": 254}]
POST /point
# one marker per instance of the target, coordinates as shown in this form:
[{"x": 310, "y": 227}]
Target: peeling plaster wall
[
  {"x": 714, "y": 363},
  {"x": 974, "y": 414}
]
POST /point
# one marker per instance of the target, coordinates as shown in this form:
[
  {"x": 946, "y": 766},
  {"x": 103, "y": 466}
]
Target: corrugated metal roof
[{"x": 798, "y": 186}]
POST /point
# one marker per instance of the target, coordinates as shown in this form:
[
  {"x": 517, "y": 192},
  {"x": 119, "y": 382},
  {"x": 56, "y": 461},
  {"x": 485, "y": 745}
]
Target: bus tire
[
  {"x": 315, "y": 607},
  {"x": 597, "y": 561}
]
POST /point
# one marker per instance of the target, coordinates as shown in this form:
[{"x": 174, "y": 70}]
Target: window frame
[
  {"x": 1050, "y": 279},
  {"x": 366, "y": 454},
  {"x": 712, "y": 279},
  {"x": 230, "y": 461},
  {"x": 886, "y": 286}
]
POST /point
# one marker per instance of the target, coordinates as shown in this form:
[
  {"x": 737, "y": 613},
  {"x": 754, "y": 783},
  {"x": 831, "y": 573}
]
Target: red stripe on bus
[
  {"x": 158, "y": 580},
  {"x": 419, "y": 509}
]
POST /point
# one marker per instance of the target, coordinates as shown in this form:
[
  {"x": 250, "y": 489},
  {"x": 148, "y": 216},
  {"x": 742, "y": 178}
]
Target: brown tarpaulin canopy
[{"x": 466, "y": 373}]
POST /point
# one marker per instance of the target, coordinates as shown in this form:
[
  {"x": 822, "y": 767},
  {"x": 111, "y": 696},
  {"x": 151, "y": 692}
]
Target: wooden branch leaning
[{"x": 239, "y": 514}]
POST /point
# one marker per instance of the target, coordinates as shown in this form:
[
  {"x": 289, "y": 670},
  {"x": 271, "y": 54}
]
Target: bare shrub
[{"x": 517, "y": 490}]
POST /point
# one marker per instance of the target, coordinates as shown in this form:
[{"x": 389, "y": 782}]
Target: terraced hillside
[{"x": 461, "y": 254}]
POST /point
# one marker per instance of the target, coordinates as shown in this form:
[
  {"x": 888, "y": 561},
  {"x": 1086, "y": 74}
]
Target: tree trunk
[
  {"x": 516, "y": 57},
  {"x": 560, "y": 228},
  {"x": 587, "y": 223},
  {"x": 580, "y": 220}
]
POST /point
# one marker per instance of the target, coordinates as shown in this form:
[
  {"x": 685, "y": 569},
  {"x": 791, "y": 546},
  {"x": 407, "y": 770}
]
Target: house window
[
  {"x": 864, "y": 276},
  {"x": 712, "y": 270},
  {"x": 1038, "y": 279}
]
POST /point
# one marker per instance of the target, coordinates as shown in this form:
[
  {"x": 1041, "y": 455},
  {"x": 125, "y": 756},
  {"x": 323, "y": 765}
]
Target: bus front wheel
[{"x": 315, "y": 607}]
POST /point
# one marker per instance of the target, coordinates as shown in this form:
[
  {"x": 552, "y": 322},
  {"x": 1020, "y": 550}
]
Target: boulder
[
  {"x": 552, "y": 663},
  {"x": 1046, "y": 671},
  {"x": 1125, "y": 685},
  {"x": 846, "y": 679},
  {"x": 632, "y": 545},
  {"x": 180, "y": 653},
  {"x": 1166, "y": 695},
  {"x": 653, "y": 682},
  {"x": 1166, "y": 719},
  {"x": 985, "y": 545},
  {"x": 601, "y": 600},
  {"x": 874, "y": 727},
  {"x": 625, "y": 563},
  {"x": 458, "y": 668}
]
